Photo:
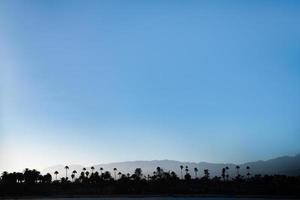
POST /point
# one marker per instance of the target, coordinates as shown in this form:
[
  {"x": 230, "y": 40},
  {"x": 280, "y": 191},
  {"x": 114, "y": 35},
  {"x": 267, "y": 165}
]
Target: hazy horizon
[
  {"x": 109, "y": 81},
  {"x": 158, "y": 160}
]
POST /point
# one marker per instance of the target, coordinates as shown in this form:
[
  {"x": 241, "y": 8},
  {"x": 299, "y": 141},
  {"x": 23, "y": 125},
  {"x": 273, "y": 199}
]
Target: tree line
[
  {"x": 101, "y": 182},
  {"x": 34, "y": 176}
]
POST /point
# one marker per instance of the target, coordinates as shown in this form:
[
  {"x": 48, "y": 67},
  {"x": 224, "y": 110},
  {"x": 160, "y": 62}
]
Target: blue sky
[{"x": 91, "y": 82}]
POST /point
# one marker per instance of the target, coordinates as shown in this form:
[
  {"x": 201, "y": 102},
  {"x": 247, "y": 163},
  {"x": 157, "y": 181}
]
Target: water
[{"x": 161, "y": 198}]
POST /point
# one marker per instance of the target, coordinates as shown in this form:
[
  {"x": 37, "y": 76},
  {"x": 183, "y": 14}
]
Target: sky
[{"x": 89, "y": 82}]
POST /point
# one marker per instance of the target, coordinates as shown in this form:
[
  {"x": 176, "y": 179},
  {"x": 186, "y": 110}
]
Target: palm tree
[
  {"x": 138, "y": 173},
  {"x": 227, "y": 173},
  {"x": 92, "y": 168},
  {"x": 154, "y": 175},
  {"x": 119, "y": 174},
  {"x": 74, "y": 172},
  {"x": 158, "y": 171},
  {"x": 101, "y": 170},
  {"x": 115, "y": 172},
  {"x": 248, "y": 171},
  {"x": 186, "y": 170},
  {"x": 223, "y": 173},
  {"x": 72, "y": 176},
  {"x": 196, "y": 171},
  {"x": 237, "y": 171},
  {"x": 181, "y": 168},
  {"x": 83, "y": 169},
  {"x": 5, "y": 173},
  {"x": 66, "y": 167},
  {"x": 87, "y": 173},
  {"x": 56, "y": 172}
]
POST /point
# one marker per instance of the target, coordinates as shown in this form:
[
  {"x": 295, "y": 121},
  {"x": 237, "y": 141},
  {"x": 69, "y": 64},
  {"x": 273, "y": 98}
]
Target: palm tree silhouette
[
  {"x": 72, "y": 176},
  {"x": 181, "y": 168},
  {"x": 158, "y": 171},
  {"x": 223, "y": 173},
  {"x": 119, "y": 174},
  {"x": 237, "y": 171},
  {"x": 196, "y": 171},
  {"x": 66, "y": 167},
  {"x": 101, "y": 171},
  {"x": 56, "y": 172},
  {"x": 248, "y": 171},
  {"x": 87, "y": 173},
  {"x": 92, "y": 168},
  {"x": 227, "y": 173},
  {"x": 186, "y": 170},
  {"x": 115, "y": 172},
  {"x": 138, "y": 173},
  {"x": 74, "y": 172},
  {"x": 84, "y": 169}
]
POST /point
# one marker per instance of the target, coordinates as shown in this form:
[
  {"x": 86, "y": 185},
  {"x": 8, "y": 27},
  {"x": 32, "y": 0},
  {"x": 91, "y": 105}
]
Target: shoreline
[{"x": 152, "y": 196}]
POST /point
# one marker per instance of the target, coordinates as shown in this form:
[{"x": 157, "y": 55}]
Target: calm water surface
[{"x": 163, "y": 198}]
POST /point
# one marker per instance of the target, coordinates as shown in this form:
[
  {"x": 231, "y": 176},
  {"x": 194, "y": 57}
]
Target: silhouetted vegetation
[{"x": 161, "y": 182}]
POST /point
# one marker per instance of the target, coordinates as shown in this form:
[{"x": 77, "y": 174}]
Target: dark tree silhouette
[
  {"x": 206, "y": 173},
  {"x": 67, "y": 168},
  {"x": 19, "y": 177},
  {"x": 227, "y": 172},
  {"x": 107, "y": 175},
  {"x": 181, "y": 168},
  {"x": 47, "y": 178},
  {"x": 186, "y": 170},
  {"x": 115, "y": 173},
  {"x": 187, "y": 176},
  {"x": 73, "y": 175},
  {"x": 56, "y": 173},
  {"x": 158, "y": 172},
  {"x": 196, "y": 171},
  {"x": 119, "y": 174},
  {"x": 101, "y": 170},
  {"x": 237, "y": 171},
  {"x": 248, "y": 172},
  {"x": 138, "y": 173},
  {"x": 31, "y": 176},
  {"x": 33, "y": 183},
  {"x": 223, "y": 173}
]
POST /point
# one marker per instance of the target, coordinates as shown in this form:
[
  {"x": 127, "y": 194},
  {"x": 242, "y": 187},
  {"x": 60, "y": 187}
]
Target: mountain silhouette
[{"x": 286, "y": 165}]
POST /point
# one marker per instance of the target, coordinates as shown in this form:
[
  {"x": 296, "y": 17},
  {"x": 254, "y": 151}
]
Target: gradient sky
[{"x": 88, "y": 82}]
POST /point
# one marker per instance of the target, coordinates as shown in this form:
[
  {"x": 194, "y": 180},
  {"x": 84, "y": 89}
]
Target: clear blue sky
[{"x": 90, "y": 82}]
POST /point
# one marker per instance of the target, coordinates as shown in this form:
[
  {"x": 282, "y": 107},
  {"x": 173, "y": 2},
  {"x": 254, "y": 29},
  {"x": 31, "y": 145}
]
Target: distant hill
[{"x": 286, "y": 165}]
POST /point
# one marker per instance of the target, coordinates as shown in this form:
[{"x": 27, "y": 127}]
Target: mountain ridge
[{"x": 285, "y": 165}]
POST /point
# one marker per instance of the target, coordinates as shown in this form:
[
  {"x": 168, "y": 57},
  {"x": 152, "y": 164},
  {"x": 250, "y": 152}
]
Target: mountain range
[{"x": 285, "y": 165}]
